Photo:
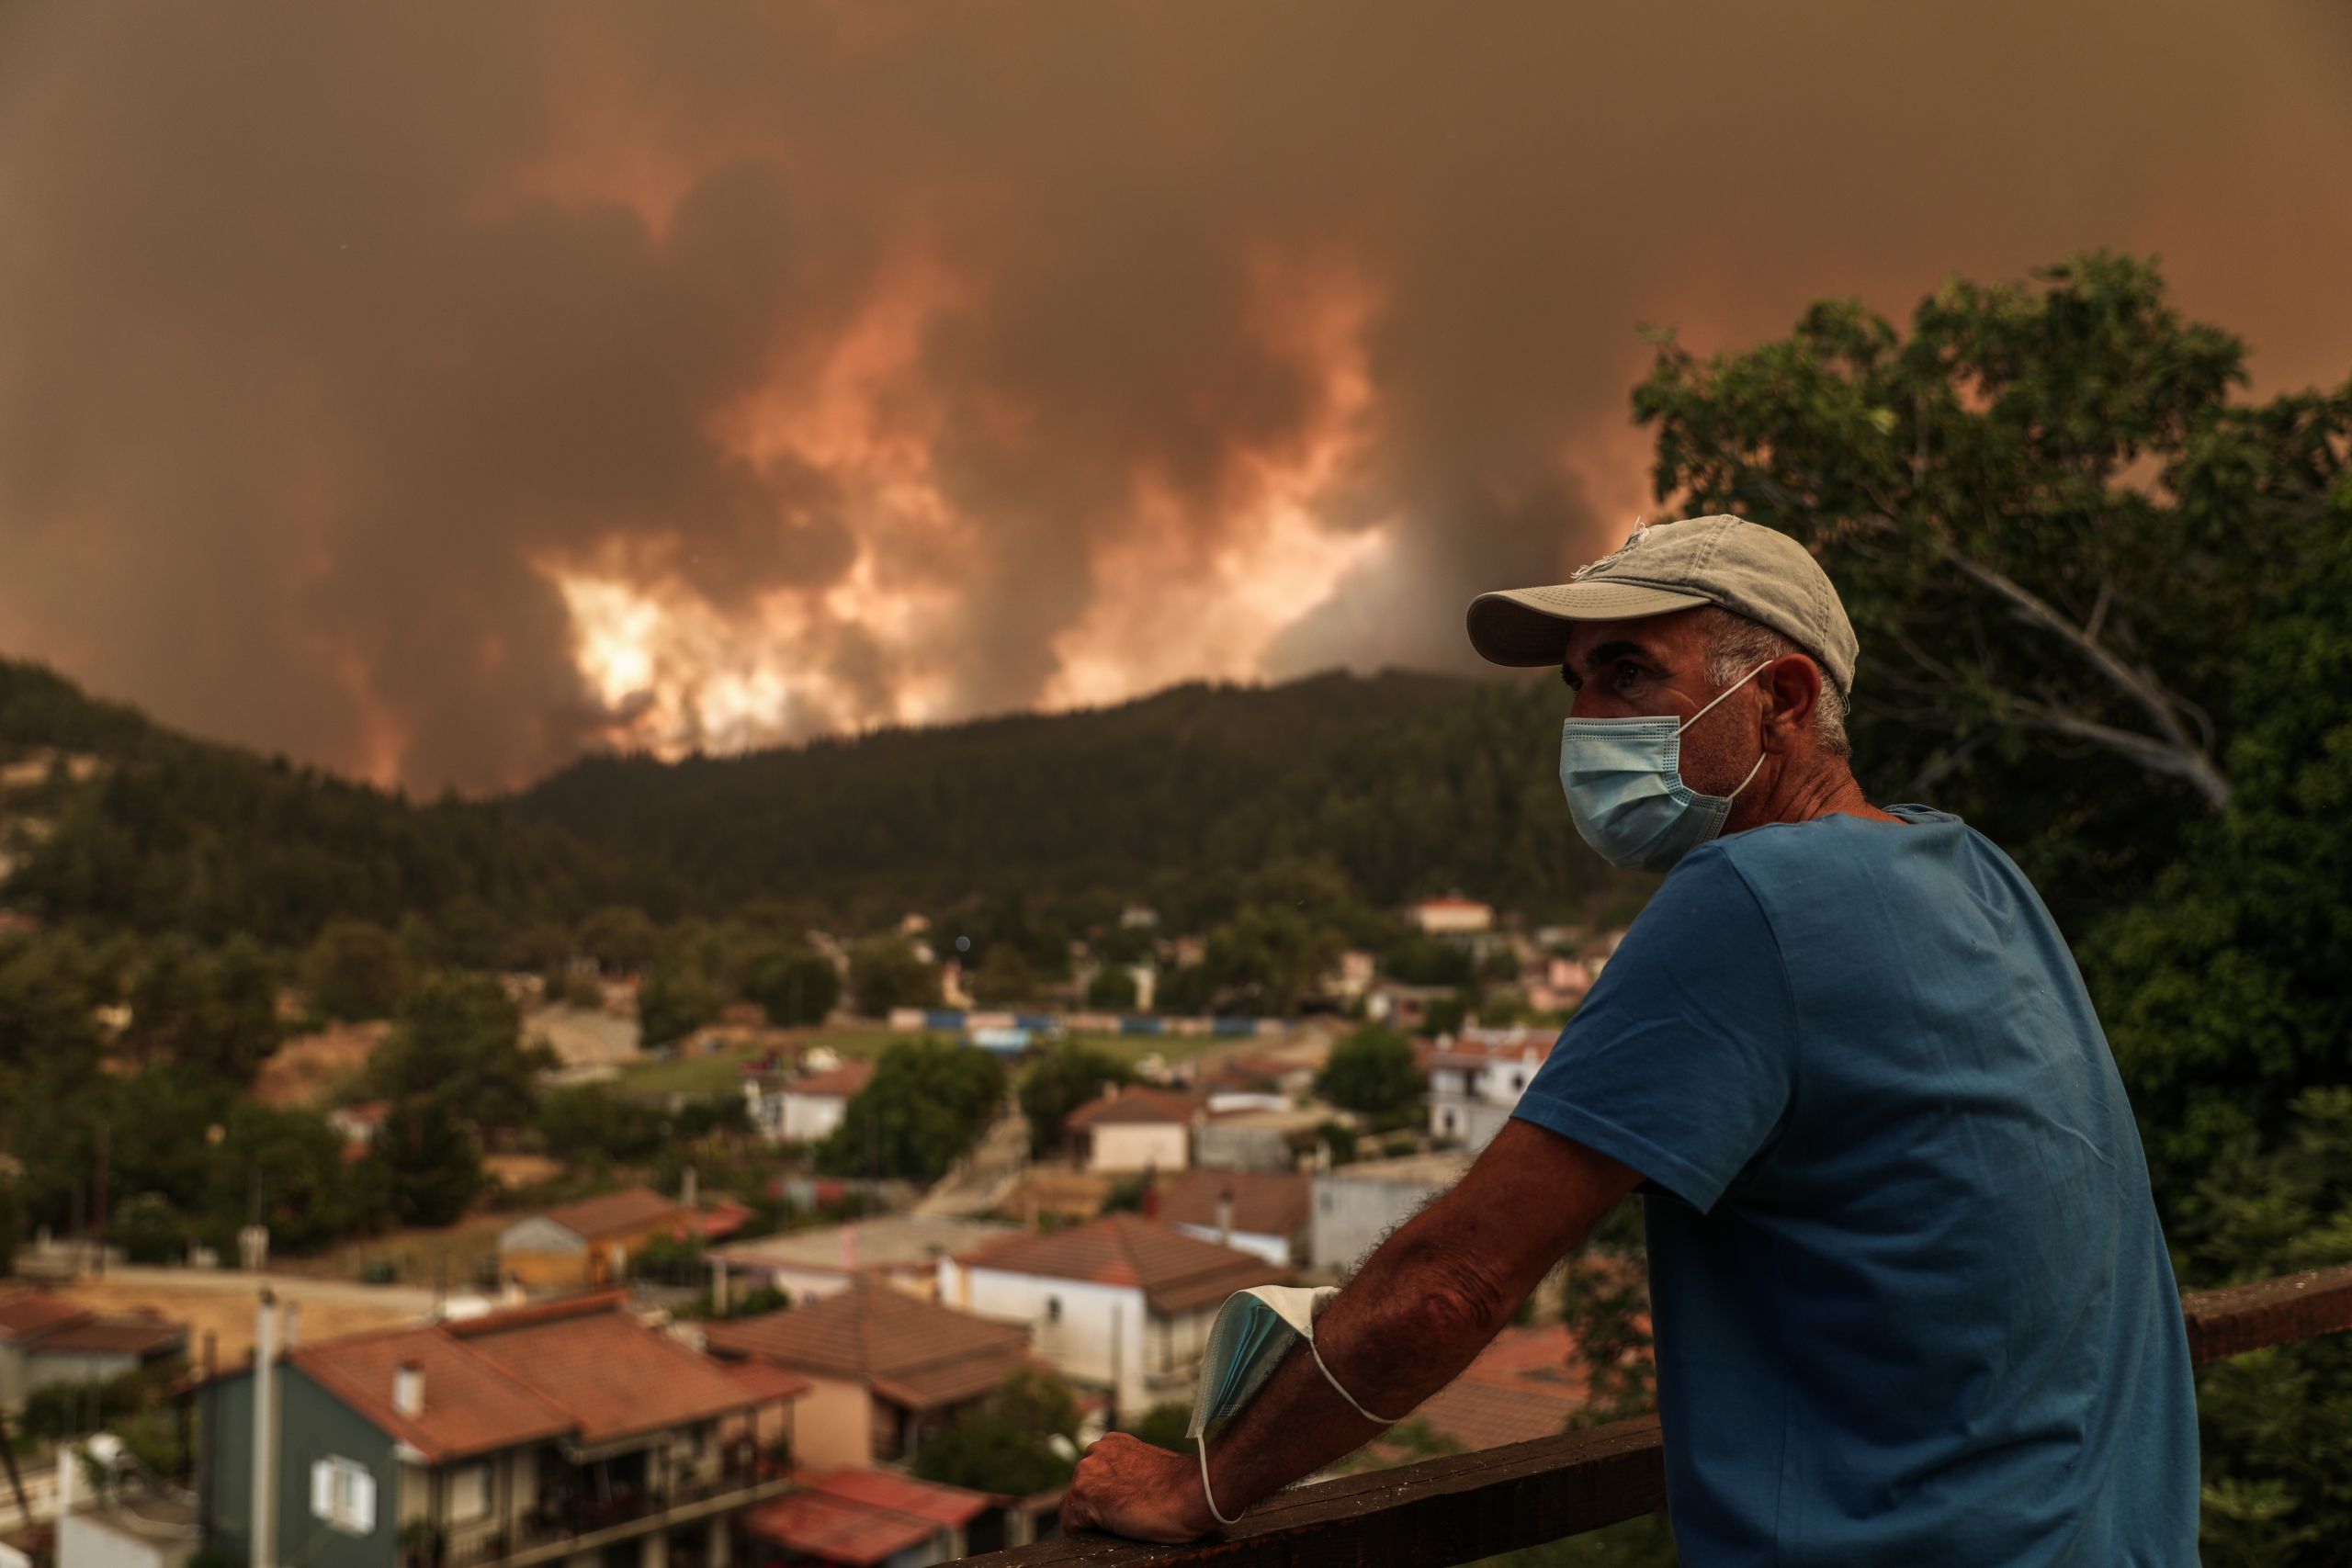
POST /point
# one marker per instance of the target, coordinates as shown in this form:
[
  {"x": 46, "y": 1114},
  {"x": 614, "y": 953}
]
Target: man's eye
[{"x": 1627, "y": 673}]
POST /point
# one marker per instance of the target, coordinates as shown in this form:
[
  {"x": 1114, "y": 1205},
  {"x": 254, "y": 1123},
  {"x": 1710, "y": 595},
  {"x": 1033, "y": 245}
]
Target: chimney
[
  {"x": 1225, "y": 1217},
  {"x": 408, "y": 1389},
  {"x": 688, "y": 1190},
  {"x": 1151, "y": 1205},
  {"x": 292, "y": 1321}
]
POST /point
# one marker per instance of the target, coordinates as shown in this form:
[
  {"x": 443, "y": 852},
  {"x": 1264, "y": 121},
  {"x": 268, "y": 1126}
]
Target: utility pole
[{"x": 105, "y": 1145}]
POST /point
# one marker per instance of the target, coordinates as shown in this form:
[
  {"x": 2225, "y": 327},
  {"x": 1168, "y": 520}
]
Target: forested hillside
[
  {"x": 1407, "y": 784},
  {"x": 171, "y": 834}
]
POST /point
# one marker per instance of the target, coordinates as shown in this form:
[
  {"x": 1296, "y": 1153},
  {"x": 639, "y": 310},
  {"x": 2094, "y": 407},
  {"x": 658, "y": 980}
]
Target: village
[{"x": 760, "y": 1345}]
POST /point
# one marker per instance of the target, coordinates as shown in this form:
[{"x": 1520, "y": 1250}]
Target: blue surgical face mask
[{"x": 1624, "y": 779}]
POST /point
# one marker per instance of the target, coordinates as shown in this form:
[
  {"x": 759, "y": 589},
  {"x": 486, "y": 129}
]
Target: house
[
  {"x": 884, "y": 1369},
  {"x": 1133, "y": 1128},
  {"x": 1452, "y": 916},
  {"x": 1123, "y": 1303},
  {"x": 1265, "y": 1140},
  {"x": 564, "y": 1432},
  {"x": 902, "y": 1251},
  {"x": 1356, "y": 1205},
  {"x": 866, "y": 1518},
  {"x": 807, "y": 1110},
  {"x": 588, "y": 1242},
  {"x": 1476, "y": 1077},
  {"x": 49, "y": 1340},
  {"x": 1260, "y": 1211}
]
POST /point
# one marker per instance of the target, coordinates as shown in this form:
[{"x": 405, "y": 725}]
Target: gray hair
[{"x": 1736, "y": 645}]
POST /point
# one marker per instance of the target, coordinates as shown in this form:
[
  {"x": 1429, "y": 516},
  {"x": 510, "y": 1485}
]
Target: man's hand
[{"x": 1130, "y": 1487}]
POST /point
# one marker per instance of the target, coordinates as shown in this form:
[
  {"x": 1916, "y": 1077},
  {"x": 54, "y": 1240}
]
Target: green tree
[
  {"x": 1060, "y": 1082},
  {"x": 1269, "y": 956},
  {"x": 1372, "y": 1072},
  {"x": 886, "y": 972},
  {"x": 1003, "y": 978},
  {"x": 926, "y": 1103},
  {"x": 1112, "y": 989},
  {"x": 621, "y": 939},
  {"x": 290, "y": 1162},
  {"x": 676, "y": 997},
  {"x": 424, "y": 1166},
  {"x": 1008, "y": 1445},
  {"x": 589, "y": 1123},
  {"x": 355, "y": 970},
  {"x": 794, "y": 985},
  {"x": 459, "y": 1043}
]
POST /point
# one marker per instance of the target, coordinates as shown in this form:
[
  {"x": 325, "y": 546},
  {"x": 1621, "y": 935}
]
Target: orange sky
[{"x": 434, "y": 391}]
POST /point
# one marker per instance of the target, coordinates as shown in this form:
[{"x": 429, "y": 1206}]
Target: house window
[
  {"x": 344, "y": 1494},
  {"x": 468, "y": 1493},
  {"x": 1052, "y": 1309}
]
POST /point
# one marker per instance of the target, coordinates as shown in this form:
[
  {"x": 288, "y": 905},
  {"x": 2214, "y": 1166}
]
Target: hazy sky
[{"x": 433, "y": 391}]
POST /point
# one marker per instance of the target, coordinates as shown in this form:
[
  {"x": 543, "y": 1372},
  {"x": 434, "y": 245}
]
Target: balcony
[
  {"x": 552, "y": 1533},
  {"x": 1466, "y": 1506}
]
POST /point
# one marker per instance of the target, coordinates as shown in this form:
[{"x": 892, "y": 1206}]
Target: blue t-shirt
[{"x": 1911, "y": 1301}]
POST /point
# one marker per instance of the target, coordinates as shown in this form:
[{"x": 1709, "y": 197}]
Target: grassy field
[{"x": 718, "y": 1071}]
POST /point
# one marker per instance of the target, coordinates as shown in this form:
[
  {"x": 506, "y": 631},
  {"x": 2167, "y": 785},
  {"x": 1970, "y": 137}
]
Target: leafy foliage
[
  {"x": 1060, "y": 1082},
  {"x": 355, "y": 970},
  {"x": 1006, "y": 1445},
  {"x": 926, "y": 1103},
  {"x": 1373, "y": 1071},
  {"x": 886, "y": 972}
]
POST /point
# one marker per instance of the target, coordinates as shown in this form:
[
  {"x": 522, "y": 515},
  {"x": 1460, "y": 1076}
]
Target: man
[{"x": 1911, "y": 1302}]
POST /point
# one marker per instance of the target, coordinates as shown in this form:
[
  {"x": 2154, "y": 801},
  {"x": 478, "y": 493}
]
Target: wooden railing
[{"x": 1462, "y": 1507}]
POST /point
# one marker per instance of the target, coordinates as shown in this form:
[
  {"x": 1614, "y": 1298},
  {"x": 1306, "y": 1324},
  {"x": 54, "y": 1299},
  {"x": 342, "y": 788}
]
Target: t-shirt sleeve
[{"x": 1681, "y": 1060}]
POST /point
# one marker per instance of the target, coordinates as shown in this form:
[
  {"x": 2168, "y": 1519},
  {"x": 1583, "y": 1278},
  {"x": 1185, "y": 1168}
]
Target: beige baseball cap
[{"x": 1743, "y": 566}]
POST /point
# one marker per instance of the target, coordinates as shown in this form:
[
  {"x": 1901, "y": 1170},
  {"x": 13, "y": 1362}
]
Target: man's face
[{"x": 1658, "y": 668}]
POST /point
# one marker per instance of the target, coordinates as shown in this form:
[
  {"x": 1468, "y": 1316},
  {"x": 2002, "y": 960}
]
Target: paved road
[{"x": 979, "y": 1179}]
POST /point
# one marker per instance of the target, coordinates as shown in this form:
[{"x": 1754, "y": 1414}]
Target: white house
[
  {"x": 1356, "y": 1205},
  {"x": 1476, "y": 1077},
  {"x": 1132, "y": 1128},
  {"x": 1452, "y": 915},
  {"x": 1123, "y": 1303},
  {"x": 903, "y": 1250},
  {"x": 806, "y": 1110}
]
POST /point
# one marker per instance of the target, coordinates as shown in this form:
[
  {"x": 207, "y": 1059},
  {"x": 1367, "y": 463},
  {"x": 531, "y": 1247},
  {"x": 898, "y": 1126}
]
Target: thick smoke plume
[{"x": 435, "y": 389}]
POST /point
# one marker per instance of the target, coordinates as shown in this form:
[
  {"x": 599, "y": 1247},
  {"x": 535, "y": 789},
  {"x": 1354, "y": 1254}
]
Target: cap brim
[{"x": 1527, "y": 627}]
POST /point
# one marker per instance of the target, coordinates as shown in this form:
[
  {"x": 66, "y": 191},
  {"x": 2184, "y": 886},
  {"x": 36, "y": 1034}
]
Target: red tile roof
[
  {"x": 27, "y": 1315},
  {"x": 914, "y": 1352},
  {"x": 1177, "y": 1273},
  {"x": 1135, "y": 1105},
  {"x": 1521, "y": 1386},
  {"x": 1265, "y": 1202},
  {"x": 624, "y": 1212},
  {"x": 132, "y": 1334},
  {"x": 582, "y": 1367},
  {"x": 839, "y": 1084},
  {"x": 862, "y": 1517}
]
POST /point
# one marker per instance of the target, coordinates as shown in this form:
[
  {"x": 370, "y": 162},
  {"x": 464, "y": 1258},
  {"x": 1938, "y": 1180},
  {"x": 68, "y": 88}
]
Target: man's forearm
[{"x": 1415, "y": 1315}]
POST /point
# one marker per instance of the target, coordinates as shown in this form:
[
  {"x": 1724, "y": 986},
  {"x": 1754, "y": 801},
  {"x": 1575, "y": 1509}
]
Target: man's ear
[{"x": 1791, "y": 686}]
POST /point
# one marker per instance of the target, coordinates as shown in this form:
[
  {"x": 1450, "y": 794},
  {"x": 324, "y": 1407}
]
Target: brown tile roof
[
  {"x": 1265, "y": 1202},
  {"x": 839, "y": 1084},
  {"x": 1177, "y": 1273},
  {"x": 623, "y": 1212},
  {"x": 614, "y": 1376},
  {"x": 1521, "y": 1386},
  {"x": 915, "y": 1352},
  {"x": 863, "y": 1517},
  {"x": 27, "y": 1315},
  {"x": 582, "y": 1367},
  {"x": 1135, "y": 1105},
  {"x": 471, "y": 1406},
  {"x": 125, "y": 1336}
]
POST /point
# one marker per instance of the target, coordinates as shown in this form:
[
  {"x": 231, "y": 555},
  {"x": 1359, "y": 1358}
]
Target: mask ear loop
[
  {"x": 1203, "y": 1446},
  {"x": 1758, "y": 768}
]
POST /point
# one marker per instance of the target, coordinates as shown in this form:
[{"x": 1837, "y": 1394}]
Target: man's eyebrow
[{"x": 1608, "y": 653}]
